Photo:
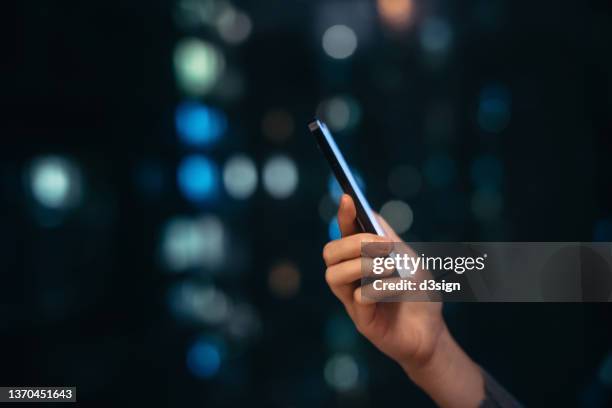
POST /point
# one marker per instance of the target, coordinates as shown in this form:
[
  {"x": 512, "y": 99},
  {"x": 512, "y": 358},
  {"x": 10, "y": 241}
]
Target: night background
[{"x": 164, "y": 206}]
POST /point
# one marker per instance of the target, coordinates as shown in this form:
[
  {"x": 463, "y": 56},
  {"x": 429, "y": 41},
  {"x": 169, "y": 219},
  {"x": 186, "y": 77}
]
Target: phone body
[{"x": 342, "y": 172}]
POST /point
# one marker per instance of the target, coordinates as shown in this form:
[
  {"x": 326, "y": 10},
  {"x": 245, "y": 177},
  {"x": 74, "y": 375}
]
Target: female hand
[{"x": 411, "y": 333}]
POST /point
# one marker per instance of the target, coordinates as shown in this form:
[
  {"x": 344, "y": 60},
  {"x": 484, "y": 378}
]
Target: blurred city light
[
  {"x": 486, "y": 204},
  {"x": 191, "y": 243},
  {"x": 487, "y": 172},
  {"x": 435, "y": 35},
  {"x": 204, "y": 358},
  {"x": 603, "y": 230},
  {"x": 405, "y": 181},
  {"x": 244, "y": 322},
  {"x": 234, "y": 26},
  {"x": 192, "y": 14},
  {"x": 397, "y": 14},
  {"x": 198, "y": 124},
  {"x": 341, "y": 372},
  {"x": 284, "y": 279},
  {"x": 340, "y": 333},
  {"x": 494, "y": 108},
  {"x": 605, "y": 371},
  {"x": 240, "y": 177},
  {"x": 277, "y": 125},
  {"x": 198, "y": 65},
  {"x": 198, "y": 178},
  {"x": 339, "y": 41},
  {"x": 327, "y": 208},
  {"x": 333, "y": 229},
  {"x": 199, "y": 303},
  {"x": 439, "y": 170},
  {"x": 55, "y": 182},
  {"x": 340, "y": 112},
  {"x": 398, "y": 214},
  {"x": 280, "y": 176}
]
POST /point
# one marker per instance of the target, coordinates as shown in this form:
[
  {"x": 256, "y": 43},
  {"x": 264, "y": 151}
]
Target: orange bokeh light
[{"x": 396, "y": 13}]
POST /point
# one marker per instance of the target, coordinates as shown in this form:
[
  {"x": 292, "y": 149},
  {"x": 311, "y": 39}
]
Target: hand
[{"x": 411, "y": 333}]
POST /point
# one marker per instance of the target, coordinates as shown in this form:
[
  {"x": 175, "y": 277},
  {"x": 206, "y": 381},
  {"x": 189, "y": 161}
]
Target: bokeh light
[
  {"x": 396, "y": 14},
  {"x": 234, "y": 26},
  {"x": 280, "y": 176},
  {"x": 405, "y": 181},
  {"x": 284, "y": 279},
  {"x": 55, "y": 182},
  {"x": 486, "y": 204},
  {"x": 333, "y": 229},
  {"x": 244, "y": 322},
  {"x": 341, "y": 372},
  {"x": 340, "y": 333},
  {"x": 398, "y": 214},
  {"x": 602, "y": 231},
  {"x": 204, "y": 358},
  {"x": 435, "y": 35},
  {"x": 327, "y": 208},
  {"x": 605, "y": 370},
  {"x": 439, "y": 170},
  {"x": 192, "y": 243},
  {"x": 240, "y": 176},
  {"x": 340, "y": 113},
  {"x": 198, "y": 65},
  {"x": 487, "y": 172},
  {"x": 198, "y": 124},
  {"x": 339, "y": 41},
  {"x": 494, "y": 108},
  {"x": 199, "y": 303},
  {"x": 191, "y": 14},
  {"x": 198, "y": 178},
  {"x": 277, "y": 125}
]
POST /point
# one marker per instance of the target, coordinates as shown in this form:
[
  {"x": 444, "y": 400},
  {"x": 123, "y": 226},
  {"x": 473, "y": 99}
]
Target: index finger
[{"x": 350, "y": 247}]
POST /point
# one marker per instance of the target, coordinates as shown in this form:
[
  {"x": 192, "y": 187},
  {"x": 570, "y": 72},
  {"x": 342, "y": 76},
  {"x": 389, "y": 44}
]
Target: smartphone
[{"x": 343, "y": 174}]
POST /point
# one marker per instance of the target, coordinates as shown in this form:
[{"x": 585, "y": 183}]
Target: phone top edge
[
  {"x": 345, "y": 178},
  {"x": 314, "y": 125}
]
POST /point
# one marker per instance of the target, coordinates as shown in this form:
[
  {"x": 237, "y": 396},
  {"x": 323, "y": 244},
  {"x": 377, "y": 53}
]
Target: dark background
[{"x": 85, "y": 299}]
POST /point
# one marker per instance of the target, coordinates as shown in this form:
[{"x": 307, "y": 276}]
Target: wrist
[{"x": 449, "y": 376}]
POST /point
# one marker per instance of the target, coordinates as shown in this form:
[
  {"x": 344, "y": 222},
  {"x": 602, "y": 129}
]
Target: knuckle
[
  {"x": 328, "y": 276},
  {"x": 327, "y": 253}
]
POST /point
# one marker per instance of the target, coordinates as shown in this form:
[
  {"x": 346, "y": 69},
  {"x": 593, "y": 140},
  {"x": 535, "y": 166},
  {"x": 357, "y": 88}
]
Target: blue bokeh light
[
  {"x": 487, "y": 172},
  {"x": 198, "y": 178},
  {"x": 603, "y": 230},
  {"x": 440, "y": 170},
  {"x": 494, "y": 108},
  {"x": 204, "y": 359},
  {"x": 198, "y": 124},
  {"x": 334, "y": 229}
]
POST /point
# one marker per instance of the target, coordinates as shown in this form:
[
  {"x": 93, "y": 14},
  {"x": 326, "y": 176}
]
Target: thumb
[{"x": 347, "y": 216}]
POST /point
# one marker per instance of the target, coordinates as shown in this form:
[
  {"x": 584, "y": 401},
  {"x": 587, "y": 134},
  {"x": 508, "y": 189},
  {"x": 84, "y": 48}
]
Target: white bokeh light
[
  {"x": 339, "y": 41},
  {"x": 234, "y": 26},
  {"x": 341, "y": 372},
  {"x": 55, "y": 182},
  {"x": 280, "y": 176},
  {"x": 240, "y": 177},
  {"x": 198, "y": 65},
  {"x": 398, "y": 214},
  {"x": 192, "y": 243}
]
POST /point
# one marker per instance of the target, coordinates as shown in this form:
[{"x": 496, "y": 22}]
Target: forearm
[{"x": 450, "y": 377}]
